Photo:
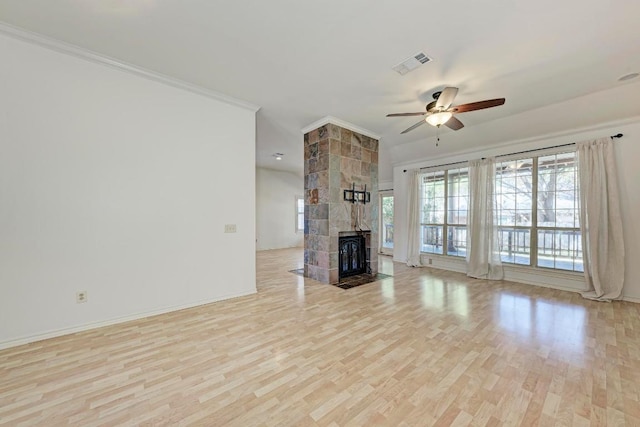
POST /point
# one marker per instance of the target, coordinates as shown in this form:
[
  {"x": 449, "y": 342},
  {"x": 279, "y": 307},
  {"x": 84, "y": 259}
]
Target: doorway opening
[{"x": 386, "y": 222}]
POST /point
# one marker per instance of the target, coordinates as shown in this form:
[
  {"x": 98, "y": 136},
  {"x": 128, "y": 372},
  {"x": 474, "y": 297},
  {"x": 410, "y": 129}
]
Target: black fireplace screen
[{"x": 352, "y": 256}]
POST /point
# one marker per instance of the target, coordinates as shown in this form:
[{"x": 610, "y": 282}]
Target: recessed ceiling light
[
  {"x": 629, "y": 76},
  {"x": 278, "y": 156}
]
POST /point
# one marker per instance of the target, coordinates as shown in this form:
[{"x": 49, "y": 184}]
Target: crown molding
[
  {"x": 343, "y": 124},
  {"x": 570, "y": 134},
  {"x": 88, "y": 55},
  {"x": 501, "y": 149}
]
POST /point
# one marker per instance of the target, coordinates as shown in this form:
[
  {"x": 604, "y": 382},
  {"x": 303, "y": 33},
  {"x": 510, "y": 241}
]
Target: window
[
  {"x": 514, "y": 193},
  {"x": 457, "y": 206},
  {"x": 444, "y": 197},
  {"x": 559, "y": 240},
  {"x": 538, "y": 212},
  {"x": 299, "y": 214}
]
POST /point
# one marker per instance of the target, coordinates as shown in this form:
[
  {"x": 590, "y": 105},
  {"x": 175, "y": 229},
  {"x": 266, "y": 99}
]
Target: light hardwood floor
[{"x": 422, "y": 348}]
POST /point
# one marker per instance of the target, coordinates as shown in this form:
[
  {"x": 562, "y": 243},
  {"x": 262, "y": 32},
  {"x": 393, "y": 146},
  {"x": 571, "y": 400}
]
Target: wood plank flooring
[{"x": 423, "y": 348}]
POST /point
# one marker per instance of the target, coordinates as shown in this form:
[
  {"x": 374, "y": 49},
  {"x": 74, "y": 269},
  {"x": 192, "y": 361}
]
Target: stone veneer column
[{"x": 335, "y": 158}]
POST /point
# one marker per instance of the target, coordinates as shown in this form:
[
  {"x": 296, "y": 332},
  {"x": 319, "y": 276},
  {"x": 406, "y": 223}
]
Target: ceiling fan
[{"x": 440, "y": 111}]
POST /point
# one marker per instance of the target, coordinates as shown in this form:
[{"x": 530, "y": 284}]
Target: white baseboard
[
  {"x": 282, "y": 247},
  {"x": 81, "y": 328},
  {"x": 545, "y": 285},
  {"x": 546, "y": 279},
  {"x": 570, "y": 282}
]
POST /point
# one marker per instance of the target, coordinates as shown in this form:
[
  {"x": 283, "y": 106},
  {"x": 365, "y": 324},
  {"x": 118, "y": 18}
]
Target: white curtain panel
[
  {"x": 413, "y": 220},
  {"x": 600, "y": 221},
  {"x": 483, "y": 249}
]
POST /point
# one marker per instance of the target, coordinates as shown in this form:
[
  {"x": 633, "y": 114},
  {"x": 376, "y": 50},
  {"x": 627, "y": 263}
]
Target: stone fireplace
[{"x": 341, "y": 201}]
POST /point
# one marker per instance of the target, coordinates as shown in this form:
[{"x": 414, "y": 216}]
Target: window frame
[
  {"x": 446, "y": 224},
  {"x": 532, "y": 254},
  {"x": 534, "y": 229}
]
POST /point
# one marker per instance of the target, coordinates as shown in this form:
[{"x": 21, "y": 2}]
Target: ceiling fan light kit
[{"x": 438, "y": 119}]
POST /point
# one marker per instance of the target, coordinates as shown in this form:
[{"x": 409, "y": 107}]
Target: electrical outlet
[
  {"x": 81, "y": 296},
  {"x": 229, "y": 228},
  {"x": 430, "y": 261}
]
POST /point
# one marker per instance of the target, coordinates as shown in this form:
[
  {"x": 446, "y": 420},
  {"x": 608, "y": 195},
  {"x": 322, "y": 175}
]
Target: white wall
[
  {"x": 627, "y": 155},
  {"x": 385, "y": 168},
  {"x": 385, "y": 185},
  {"x": 275, "y": 205},
  {"x": 120, "y": 186}
]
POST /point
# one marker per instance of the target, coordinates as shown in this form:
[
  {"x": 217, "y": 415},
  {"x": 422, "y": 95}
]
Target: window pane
[
  {"x": 558, "y": 206},
  {"x": 458, "y": 195},
  {"x": 431, "y": 239},
  {"x": 436, "y": 217},
  {"x": 523, "y": 217},
  {"x": 432, "y": 198},
  {"x": 515, "y": 245},
  {"x": 513, "y": 189},
  {"x": 558, "y": 191},
  {"x": 457, "y": 241},
  {"x": 560, "y": 249}
]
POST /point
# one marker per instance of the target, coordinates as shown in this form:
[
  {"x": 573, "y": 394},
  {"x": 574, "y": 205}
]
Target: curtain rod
[{"x": 618, "y": 135}]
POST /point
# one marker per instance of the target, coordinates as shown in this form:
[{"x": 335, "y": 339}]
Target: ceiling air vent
[{"x": 411, "y": 63}]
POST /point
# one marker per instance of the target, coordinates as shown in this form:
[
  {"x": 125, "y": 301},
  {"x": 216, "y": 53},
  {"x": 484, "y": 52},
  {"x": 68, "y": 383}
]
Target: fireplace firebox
[{"x": 352, "y": 255}]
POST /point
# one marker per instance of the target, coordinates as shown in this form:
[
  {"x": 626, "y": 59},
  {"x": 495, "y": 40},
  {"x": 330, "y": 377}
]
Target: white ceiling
[{"x": 556, "y": 62}]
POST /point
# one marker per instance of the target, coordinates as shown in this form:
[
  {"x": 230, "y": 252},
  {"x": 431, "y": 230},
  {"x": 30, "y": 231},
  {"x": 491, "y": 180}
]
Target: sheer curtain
[
  {"x": 483, "y": 249},
  {"x": 413, "y": 209},
  {"x": 600, "y": 221}
]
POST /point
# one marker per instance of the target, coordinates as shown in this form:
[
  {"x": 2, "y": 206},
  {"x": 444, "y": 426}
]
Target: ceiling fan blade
[
  {"x": 478, "y": 105},
  {"x": 454, "y": 124},
  {"x": 446, "y": 97},
  {"x": 406, "y": 114},
  {"x": 421, "y": 122}
]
